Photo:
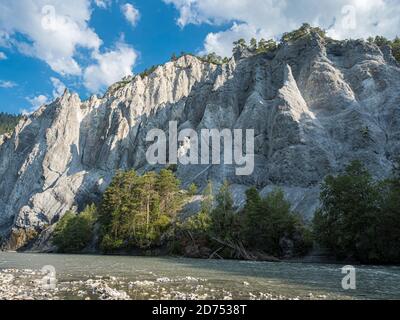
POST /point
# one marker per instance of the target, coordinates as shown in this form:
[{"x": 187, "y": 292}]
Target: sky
[{"x": 86, "y": 45}]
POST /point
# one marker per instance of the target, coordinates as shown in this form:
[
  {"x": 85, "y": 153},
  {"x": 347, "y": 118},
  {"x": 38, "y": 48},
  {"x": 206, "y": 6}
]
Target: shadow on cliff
[
  {"x": 101, "y": 152},
  {"x": 17, "y": 149}
]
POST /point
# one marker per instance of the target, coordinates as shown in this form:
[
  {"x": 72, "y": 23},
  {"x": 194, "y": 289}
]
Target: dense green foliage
[
  {"x": 382, "y": 41},
  {"x": 137, "y": 210},
  {"x": 259, "y": 228},
  {"x": 266, "y": 222},
  {"x": 266, "y": 46},
  {"x": 8, "y": 122},
  {"x": 74, "y": 232},
  {"x": 359, "y": 218},
  {"x": 223, "y": 220}
]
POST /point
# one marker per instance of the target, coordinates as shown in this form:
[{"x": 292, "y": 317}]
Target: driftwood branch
[
  {"x": 191, "y": 237},
  {"x": 240, "y": 251},
  {"x": 215, "y": 253},
  {"x": 238, "y": 248}
]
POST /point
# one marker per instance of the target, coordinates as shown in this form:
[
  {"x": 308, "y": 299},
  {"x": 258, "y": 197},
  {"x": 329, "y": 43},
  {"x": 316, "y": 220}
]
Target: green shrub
[
  {"x": 303, "y": 31},
  {"x": 396, "y": 48},
  {"x": 74, "y": 232},
  {"x": 8, "y": 122},
  {"x": 267, "y": 221},
  {"x": 266, "y": 46},
  {"x": 382, "y": 41},
  {"x": 192, "y": 190}
]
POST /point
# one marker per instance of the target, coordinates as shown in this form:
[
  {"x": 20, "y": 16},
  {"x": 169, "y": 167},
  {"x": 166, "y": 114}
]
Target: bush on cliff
[
  {"x": 393, "y": 44},
  {"x": 303, "y": 31},
  {"x": 8, "y": 122}
]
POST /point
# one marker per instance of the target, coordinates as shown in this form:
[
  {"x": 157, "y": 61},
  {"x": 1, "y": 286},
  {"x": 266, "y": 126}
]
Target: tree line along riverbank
[{"x": 358, "y": 219}]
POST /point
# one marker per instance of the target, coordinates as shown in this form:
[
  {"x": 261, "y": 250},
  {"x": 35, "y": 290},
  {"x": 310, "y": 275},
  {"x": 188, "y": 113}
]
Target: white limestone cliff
[{"x": 309, "y": 103}]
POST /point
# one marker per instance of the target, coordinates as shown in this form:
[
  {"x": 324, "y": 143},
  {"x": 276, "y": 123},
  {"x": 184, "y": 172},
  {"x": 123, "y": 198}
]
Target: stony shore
[{"x": 26, "y": 284}]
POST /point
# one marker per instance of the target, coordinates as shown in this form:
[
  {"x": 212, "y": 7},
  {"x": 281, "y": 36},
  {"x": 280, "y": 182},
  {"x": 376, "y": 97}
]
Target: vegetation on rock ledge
[
  {"x": 393, "y": 44},
  {"x": 8, "y": 122}
]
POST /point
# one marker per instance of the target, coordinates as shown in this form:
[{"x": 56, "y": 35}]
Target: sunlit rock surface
[{"x": 315, "y": 105}]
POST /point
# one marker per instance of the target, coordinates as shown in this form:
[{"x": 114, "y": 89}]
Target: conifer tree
[{"x": 223, "y": 215}]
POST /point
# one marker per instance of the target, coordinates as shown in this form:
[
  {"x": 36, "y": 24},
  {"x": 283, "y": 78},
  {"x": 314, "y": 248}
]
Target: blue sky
[
  {"x": 89, "y": 44},
  {"x": 155, "y": 37}
]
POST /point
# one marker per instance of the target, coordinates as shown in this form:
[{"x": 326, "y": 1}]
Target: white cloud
[
  {"x": 36, "y": 102},
  {"x": 110, "y": 67},
  {"x": 3, "y": 56},
  {"x": 221, "y": 42},
  {"x": 131, "y": 13},
  {"x": 53, "y": 32},
  {"x": 270, "y": 18},
  {"x": 59, "y": 87},
  {"x": 219, "y": 11},
  {"x": 104, "y": 4},
  {"x": 7, "y": 84}
]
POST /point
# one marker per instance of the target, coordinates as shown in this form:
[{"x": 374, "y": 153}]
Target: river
[{"x": 119, "y": 277}]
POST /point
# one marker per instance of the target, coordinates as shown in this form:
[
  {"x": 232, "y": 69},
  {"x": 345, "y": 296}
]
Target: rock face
[{"x": 315, "y": 104}]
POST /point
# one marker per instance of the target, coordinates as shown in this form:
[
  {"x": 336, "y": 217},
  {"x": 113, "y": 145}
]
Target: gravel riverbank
[{"x": 28, "y": 284}]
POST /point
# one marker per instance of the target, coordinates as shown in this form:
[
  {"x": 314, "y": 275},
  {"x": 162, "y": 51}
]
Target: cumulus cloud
[
  {"x": 38, "y": 100},
  {"x": 270, "y": 18},
  {"x": 110, "y": 67},
  {"x": 35, "y": 102},
  {"x": 3, "y": 56},
  {"x": 54, "y": 31},
  {"x": 131, "y": 14},
  {"x": 51, "y": 33},
  {"x": 7, "y": 84}
]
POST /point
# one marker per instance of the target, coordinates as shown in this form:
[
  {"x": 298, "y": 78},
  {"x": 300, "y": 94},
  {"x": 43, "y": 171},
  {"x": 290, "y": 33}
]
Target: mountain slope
[{"x": 315, "y": 104}]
